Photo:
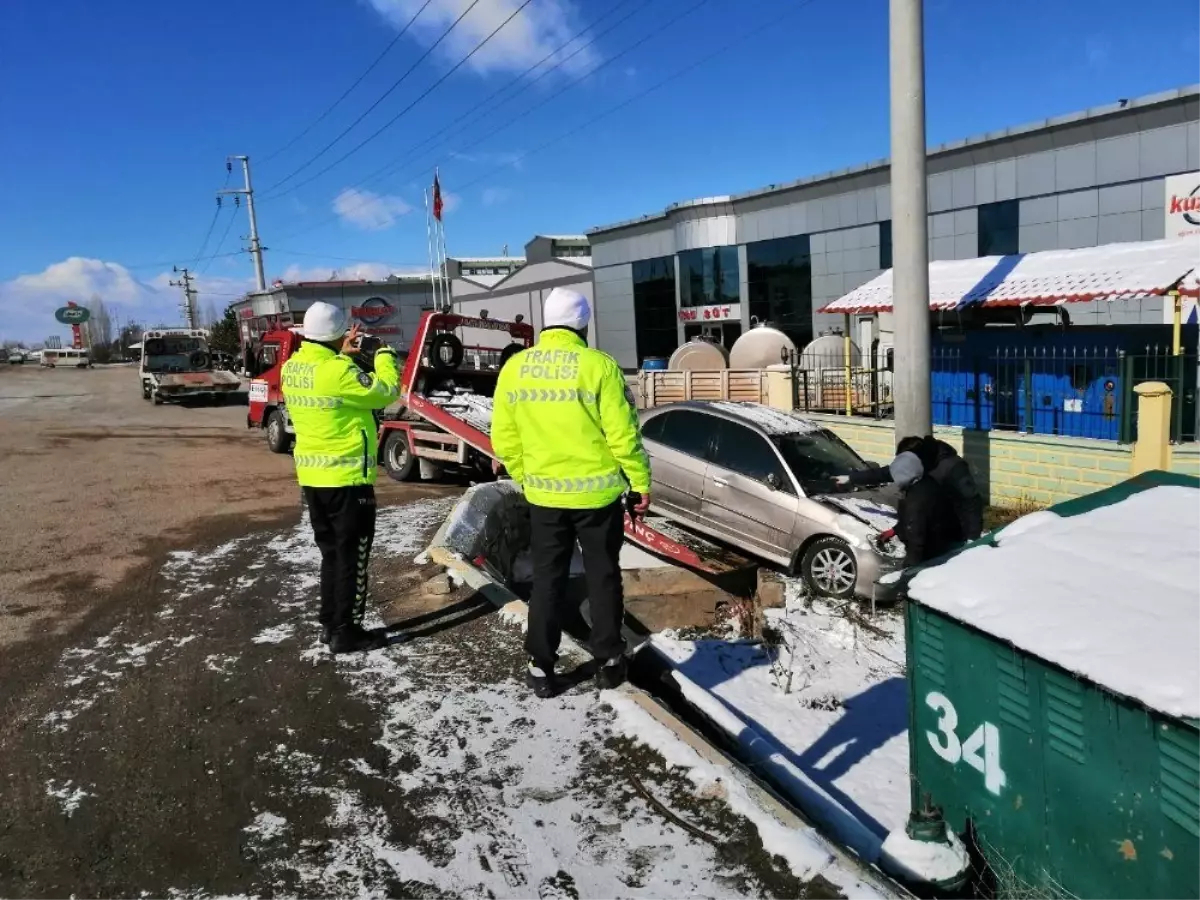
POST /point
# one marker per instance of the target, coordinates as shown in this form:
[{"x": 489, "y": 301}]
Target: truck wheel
[
  {"x": 277, "y": 437},
  {"x": 157, "y": 398},
  {"x": 445, "y": 352},
  {"x": 145, "y": 391},
  {"x": 829, "y": 568},
  {"x": 398, "y": 458}
]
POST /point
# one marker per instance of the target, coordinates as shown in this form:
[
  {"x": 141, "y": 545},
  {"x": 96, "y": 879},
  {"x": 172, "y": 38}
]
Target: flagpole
[
  {"x": 433, "y": 286},
  {"x": 440, "y": 237}
]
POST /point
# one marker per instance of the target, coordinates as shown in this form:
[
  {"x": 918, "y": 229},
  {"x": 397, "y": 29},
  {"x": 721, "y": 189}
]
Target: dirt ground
[{"x": 97, "y": 480}]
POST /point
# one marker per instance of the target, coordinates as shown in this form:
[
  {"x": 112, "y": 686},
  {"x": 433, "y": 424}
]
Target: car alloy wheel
[{"x": 830, "y": 568}]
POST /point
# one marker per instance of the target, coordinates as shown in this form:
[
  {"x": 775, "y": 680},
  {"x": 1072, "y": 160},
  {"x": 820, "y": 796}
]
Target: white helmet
[{"x": 324, "y": 322}]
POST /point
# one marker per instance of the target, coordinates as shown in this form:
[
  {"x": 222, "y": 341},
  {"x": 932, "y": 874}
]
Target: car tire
[
  {"x": 278, "y": 440},
  {"x": 829, "y": 568},
  {"x": 398, "y": 457}
]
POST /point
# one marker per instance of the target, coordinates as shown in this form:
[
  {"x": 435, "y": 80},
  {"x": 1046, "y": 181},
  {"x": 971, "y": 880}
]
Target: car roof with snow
[
  {"x": 1104, "y": 586},
  {"x": 767, "y": 419}
]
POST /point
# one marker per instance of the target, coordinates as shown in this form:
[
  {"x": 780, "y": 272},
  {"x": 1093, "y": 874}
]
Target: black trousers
[
  {"x": 600, "y": 535},
  {"x": 343, "y": 523}
]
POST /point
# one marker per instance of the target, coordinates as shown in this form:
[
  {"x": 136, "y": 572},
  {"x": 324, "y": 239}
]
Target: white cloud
[
  {"x": 368, "y": 210},
  {"x": 495, "y": 196},
  {"x": 536, "y": 32},
  {"x": 451, "y": 201},
  {"x": 27, "y": 302}
]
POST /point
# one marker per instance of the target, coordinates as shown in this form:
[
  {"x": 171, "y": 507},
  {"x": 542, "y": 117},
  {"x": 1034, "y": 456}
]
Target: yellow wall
[{"x": 1015, "y": 468}]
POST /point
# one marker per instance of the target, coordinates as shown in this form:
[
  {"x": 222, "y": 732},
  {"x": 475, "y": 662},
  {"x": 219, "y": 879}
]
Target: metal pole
[
  {"x": 444, "y": 267},
  {"x": 433, "y": 281},
  {"x": 910, "y": 252},
  {"x": 256, "y": 248},
  {"x": 846, "y": 364}
]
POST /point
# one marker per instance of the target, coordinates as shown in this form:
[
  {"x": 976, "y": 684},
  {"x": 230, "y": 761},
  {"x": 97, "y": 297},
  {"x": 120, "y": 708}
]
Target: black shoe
[
  {"x": 611, "y": 673},
  {"x": 326, "y": 634},
  {"x": 355, "y": 639},
  {"x": 541, "y": 681}
]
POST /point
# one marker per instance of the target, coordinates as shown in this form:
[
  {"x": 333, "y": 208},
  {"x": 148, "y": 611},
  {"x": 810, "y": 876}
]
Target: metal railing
[{"x": 1067, "y": 391}]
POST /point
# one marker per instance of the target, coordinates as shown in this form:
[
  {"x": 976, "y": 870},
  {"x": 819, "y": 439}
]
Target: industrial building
[{"x": 717, "y": 265}]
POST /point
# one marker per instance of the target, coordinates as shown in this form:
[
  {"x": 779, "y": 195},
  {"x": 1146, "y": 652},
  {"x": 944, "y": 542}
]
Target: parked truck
[{"x": 176, "y": 364}]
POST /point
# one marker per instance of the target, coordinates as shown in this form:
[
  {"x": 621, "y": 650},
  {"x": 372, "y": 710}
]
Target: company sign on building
[{"x": 1182, "y": 206}]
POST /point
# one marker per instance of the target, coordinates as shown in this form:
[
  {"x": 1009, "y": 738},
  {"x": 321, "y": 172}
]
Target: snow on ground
[
  {"x": 474, "y": 789},
  {"x": 830, "y": 696},
  {"x": 1111, "y": 594}
]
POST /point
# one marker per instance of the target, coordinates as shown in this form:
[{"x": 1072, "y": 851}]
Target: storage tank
[
  {"x": 829, "y": 352},
  {"x": 760, "y": 347},
  {"x": 699, "y": 356}
]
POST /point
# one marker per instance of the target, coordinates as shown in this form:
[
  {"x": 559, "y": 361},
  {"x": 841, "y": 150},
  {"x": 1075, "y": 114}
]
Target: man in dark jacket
[
  {"x": 942, "y": 463},
  {"x": 925, "y": 519}
]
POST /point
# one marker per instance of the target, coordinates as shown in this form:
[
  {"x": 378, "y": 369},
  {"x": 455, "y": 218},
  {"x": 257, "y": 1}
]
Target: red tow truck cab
[{"x": 265, "y": 358}]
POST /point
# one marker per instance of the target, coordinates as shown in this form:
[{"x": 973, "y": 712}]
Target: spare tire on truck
[
  {"x": 438, "y": 347},
  {"x": 199, "y": 360}
]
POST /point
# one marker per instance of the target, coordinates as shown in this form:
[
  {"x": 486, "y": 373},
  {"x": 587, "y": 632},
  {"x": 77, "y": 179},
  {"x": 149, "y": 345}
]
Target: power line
[
  {"x": 686, "y": 12},
  {"x": 172, "y": 262},
  {"x": 429, "y": 90},
  {"x": 380, "y": 99},
  {"x": 221, "y": 243},
  {"x": 411, "y": 152},
  {"x": 321, "y": 118},
  {"x": 729, "y": 45}
]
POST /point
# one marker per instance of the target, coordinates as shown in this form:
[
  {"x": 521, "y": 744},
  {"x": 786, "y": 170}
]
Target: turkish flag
[{"x": 437, "y": 198}]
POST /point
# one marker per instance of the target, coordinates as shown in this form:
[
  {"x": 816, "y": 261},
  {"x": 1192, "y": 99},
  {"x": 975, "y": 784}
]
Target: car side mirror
[{"x": 774, "y": 482}]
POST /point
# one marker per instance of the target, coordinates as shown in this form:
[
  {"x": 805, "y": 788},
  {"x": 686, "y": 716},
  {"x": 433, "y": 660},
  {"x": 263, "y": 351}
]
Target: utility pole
[
  {"x": 256, "y": 248},
  {"x": 910, "y": 250},
  {"x": 189, "y": 296}
]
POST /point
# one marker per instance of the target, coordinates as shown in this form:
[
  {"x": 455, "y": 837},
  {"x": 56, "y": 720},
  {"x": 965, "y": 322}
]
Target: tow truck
[
  {"x": 442, "y": 423},
  {"x": 176, "y": 364}
]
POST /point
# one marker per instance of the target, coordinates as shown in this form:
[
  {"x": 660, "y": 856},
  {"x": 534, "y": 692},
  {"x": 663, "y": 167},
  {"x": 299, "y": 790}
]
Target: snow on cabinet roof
[
  {"x": 1112, "y": 594},
  {"x": 769, "y": 419},
  {"x": 1046, "y": 278}
]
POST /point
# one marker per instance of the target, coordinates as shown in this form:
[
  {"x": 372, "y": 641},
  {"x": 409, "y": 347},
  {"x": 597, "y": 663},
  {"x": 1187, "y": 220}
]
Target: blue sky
[{"x": 117, "y": 119}]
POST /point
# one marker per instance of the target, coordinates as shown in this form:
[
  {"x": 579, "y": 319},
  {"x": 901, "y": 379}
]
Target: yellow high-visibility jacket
[
  {"x": 564, "y": 425},
  {"x": 330, "y": 401}
]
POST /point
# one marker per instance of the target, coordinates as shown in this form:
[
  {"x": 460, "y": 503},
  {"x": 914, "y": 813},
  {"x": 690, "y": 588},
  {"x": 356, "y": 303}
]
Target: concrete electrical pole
[
  {"x": 189, "y": 296},
  {"x": 910, "y": 248},
  {"x": 256, "y": 248}
]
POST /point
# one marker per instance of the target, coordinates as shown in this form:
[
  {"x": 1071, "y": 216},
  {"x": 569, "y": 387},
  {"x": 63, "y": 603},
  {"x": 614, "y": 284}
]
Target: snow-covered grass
[{"x": 826, "y": 692}]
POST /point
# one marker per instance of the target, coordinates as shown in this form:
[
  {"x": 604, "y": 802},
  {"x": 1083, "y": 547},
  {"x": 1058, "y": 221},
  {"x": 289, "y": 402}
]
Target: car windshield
[
  {"x": 818, "y": 455},
  {"x": 176, "y": 354}
]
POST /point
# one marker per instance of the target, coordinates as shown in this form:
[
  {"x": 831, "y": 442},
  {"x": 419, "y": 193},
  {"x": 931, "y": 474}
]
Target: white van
[{"x": 80, "y": 359}]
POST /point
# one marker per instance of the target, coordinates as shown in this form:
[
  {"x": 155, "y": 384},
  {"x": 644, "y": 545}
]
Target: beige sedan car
[{"x": 758, "y": 479}]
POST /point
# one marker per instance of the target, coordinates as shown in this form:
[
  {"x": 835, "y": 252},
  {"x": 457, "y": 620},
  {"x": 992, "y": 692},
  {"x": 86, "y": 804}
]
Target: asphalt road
[{"x": 201, "y": 743}]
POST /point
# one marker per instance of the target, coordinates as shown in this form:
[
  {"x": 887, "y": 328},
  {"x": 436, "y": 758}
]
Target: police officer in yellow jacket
[
  {"x": 331, "y": 402},
  {"x": 565, "y": 428}
]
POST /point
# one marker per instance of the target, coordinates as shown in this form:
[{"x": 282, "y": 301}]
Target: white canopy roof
[{"x": 1046, "y": 278}]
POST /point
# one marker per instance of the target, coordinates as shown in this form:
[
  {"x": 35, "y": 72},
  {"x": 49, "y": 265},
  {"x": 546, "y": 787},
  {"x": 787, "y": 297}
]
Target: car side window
[
  {"x": 653, "y": 429},
  {"x": 748, "y": 453},
  {"x": 685, "y": 431}
]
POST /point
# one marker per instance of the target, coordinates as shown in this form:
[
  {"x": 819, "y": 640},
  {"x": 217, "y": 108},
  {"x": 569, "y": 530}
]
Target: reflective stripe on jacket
[
  {"x": 330, "y": 402},
  {"x": 564, "y": 425}
]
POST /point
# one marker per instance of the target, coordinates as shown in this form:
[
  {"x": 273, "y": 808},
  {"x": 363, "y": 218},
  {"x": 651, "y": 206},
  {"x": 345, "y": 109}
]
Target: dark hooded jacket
[{"x": 943, "y": 464}]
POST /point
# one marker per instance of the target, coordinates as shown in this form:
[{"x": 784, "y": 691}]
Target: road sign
[{"x": 72, "y": 315}]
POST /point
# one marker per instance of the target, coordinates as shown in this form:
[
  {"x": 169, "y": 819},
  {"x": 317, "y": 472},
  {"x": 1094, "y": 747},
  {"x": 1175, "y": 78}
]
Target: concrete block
[
  {"x": 1081, "y": 462},
  {"x": 1120, "y": 466},
  {"x": 771, "y": 590},
  {"x": 438, "y": 586},
  {"x": 1038, "y": 470},
  {"x": 1021, "y": 481},
  {"x": 1024, "y": 455},
  {"x": 1005, "y": 465}
]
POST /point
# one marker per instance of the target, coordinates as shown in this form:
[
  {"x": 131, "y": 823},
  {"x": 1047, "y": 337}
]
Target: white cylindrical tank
[
  {"x": 829, "y": 352},
  {"x": 699, "y": 356},
  {"x": 760, "y": 347}
]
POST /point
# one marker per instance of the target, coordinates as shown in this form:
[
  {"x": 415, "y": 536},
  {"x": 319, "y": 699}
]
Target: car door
[
  {"x": 749, "y": 493},
  {"x": 677, "y": 442}
]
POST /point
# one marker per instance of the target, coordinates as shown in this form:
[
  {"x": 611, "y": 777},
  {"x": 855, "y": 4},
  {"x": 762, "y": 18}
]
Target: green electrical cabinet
[{"x": 1056, "y": 728}]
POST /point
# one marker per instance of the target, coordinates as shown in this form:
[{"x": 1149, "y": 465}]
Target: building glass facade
[
  {"x": 709, "y": 276},
  {"x": 779, "y": 276},
  {"x": 999, "y": 228},
  {"x": 654, "y": 313}
]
